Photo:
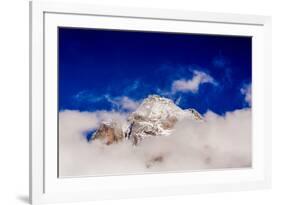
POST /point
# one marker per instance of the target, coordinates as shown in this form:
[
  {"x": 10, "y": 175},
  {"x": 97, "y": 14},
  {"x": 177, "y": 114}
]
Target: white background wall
[{"x": 14, "y": 100}]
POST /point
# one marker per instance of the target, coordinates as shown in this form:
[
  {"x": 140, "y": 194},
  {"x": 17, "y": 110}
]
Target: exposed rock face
[
  {"x": 109, "y": 132},
  {"x": 156, "y": 116},
  {"x": 196, "y": 115},
  {"x": 154, "y": 160}
]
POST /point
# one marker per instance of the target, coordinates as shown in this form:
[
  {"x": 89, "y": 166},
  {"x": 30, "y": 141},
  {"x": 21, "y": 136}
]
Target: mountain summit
[{"x": 156, "y": 116}]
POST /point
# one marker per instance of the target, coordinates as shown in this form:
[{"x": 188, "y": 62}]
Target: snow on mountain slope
[{"x": 156, "y": 116}]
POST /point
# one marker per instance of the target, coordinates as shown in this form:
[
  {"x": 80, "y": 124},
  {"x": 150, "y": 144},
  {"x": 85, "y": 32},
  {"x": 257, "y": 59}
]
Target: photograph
[{"x": 144, "y": 102}]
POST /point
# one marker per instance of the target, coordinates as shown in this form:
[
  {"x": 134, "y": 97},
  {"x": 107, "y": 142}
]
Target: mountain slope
[{"x": 156, "y": 116}]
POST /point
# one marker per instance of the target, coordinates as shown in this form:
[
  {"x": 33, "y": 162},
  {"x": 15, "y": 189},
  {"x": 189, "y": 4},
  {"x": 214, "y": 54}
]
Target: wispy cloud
[
  {"x": 178, "y": 100},
  {"x": 193, "y": 84},
  {"x": 246, "y": 90},
  {"x": 133, "y": 87},
  {"x": 219, "y": 61},
  {"x": 87, "y": 96},
  {"x": 127, "y": 102},
  {"x": 123, "y": 103},
  {"x": 120, "y": 103}
]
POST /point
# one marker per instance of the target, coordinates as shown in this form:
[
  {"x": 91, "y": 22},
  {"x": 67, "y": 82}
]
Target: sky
[{"x": 115, "y": 70}]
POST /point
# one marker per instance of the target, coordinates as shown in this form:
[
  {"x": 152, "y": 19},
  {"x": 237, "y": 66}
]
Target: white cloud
[
  {"x": 86, "y": 95},
  {"x": 120, "y": 102},
  {"x": 128, "y": 104},
  {"x": 193, "y": 84},
  {"x": 246, "y": 90},
  {"x": 192, "y": 146},
  {"x": 123, "y": 102},
  {"x": 177, "y": 102},
  {"x": 132, "y": 87}
]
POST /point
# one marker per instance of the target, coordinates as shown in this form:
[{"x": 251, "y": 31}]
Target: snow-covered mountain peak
[
  {"x": 155, "y": 116},
  {"x": 154, "y": 108}
]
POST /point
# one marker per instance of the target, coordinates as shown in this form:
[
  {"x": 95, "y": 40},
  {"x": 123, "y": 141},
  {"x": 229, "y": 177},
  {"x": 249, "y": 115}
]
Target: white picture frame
[{"x": 46, "y": 187}]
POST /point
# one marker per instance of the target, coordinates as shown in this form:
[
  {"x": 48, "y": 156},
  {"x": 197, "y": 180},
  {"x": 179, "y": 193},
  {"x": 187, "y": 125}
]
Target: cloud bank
[
  {"x": 192, "y": 85},
  {"x": 218, "y": 142}
]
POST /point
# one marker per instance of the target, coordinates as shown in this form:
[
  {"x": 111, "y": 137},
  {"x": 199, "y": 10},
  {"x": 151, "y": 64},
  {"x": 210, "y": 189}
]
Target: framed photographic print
[{"x": 129, "y": 102}]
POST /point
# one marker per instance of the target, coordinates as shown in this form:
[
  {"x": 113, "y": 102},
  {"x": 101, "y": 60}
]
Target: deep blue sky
[{"x": 96, "y": 66}]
